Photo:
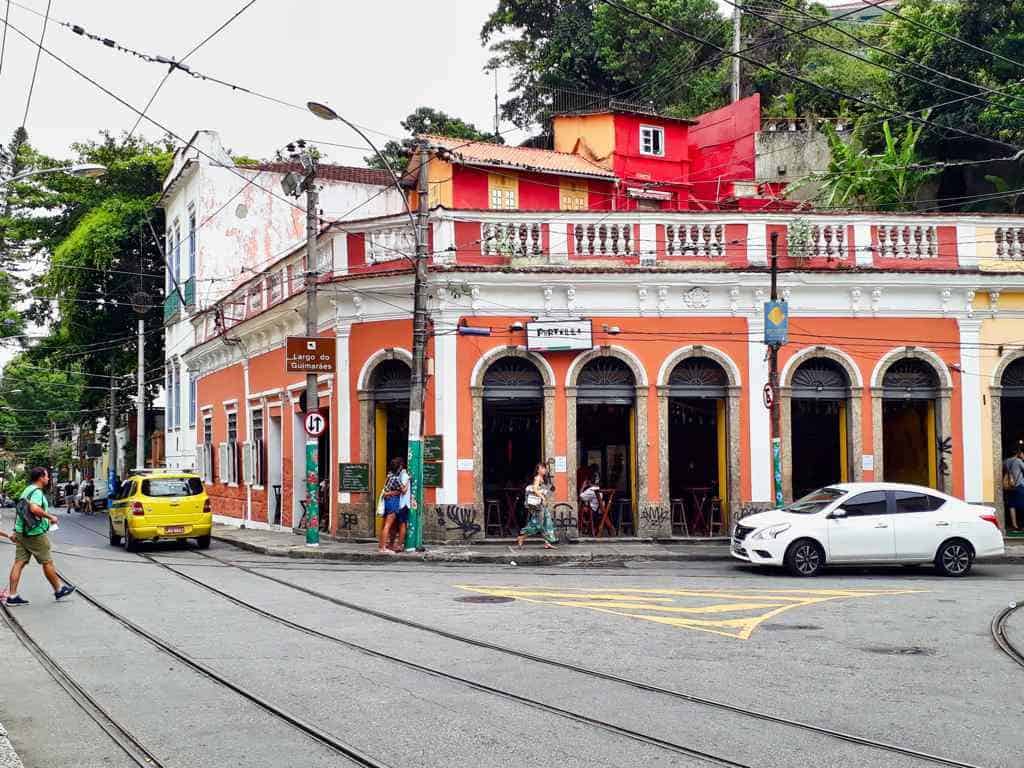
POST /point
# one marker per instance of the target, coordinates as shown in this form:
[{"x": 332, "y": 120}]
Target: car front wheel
[
  {"x": 954, "y": 558},
  {"x": 805, "y": 558}
]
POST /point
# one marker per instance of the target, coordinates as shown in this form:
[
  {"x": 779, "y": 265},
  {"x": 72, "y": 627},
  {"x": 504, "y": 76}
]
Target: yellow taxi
[{"x": 160, "y": 504}]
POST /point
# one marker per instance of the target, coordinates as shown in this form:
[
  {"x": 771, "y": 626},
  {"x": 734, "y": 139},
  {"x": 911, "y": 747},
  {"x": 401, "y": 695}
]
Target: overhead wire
[
  {"x": 183, "y": 59},
  {"x": 3, "y": 42},
  {"x": 799, "y": 78},
  {"x": 35, "y": 69}
]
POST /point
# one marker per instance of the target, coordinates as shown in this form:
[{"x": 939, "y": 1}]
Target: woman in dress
[{"x": 537, "y": 507}]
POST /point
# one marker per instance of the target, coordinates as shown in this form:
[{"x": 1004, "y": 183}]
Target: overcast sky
[{"x": 374, "y": 62}]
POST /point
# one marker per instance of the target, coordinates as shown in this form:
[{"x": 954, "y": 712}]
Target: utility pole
[
  {"x": 773, "y": 382},
  {"x": 312, "y": 331},
  {"x": 414, "y": 533},
  {"x": 112, "y": 449},
  {"x": 737, "y": 34},
  {"x": 140, "y": 403}
]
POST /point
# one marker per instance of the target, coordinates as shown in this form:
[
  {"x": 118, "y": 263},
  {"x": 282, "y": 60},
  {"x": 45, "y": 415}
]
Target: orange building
[{"x": 603, "y": 322}]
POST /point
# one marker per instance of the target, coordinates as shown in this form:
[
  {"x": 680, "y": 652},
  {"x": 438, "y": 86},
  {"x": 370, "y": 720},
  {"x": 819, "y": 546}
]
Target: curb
[
  {"x": 8, "y": 757},
  {"x": 695, "y": 553}
]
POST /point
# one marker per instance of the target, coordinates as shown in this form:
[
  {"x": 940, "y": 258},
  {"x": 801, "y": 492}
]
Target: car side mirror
[{"x": 838, "y": 513}]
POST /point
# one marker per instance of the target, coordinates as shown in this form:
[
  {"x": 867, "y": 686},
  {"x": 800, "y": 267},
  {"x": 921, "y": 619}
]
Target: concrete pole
[
  {"x": 112, "y": 449},
  {"x": 773, "y": 381},
  {"x": 140, "y": 404},
  {"x": 737, "y": 34},
  {"x": 312, "y": 331},
  {"x": 414, "y": 534}
]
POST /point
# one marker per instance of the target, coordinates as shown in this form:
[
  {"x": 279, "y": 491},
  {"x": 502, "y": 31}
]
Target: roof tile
[
  {"x": 521, "y": 158},
  {"x": 330, "y": 172}
]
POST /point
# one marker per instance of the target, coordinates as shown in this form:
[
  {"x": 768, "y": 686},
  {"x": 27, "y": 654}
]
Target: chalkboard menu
[
  {"x": 432, "y": 474},
  {"x": 355, "y": 477},
  {"x": 433, "y": 447}
]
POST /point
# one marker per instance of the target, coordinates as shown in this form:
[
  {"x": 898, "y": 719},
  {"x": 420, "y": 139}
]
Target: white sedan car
[{"x": 876, "y": 523}]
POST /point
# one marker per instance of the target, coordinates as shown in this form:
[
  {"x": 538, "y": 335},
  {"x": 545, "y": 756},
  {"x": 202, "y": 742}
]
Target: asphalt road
[{"x": 891, "y": 655}]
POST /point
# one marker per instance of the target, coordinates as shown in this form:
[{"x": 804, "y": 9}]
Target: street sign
[
  {"x": 768, "y": 395},
  {"x": 310, "y": 355},
  {"x": 433, "y": 447},
  {"x": 314, "y": 424},
  {"x": 355, "y": 478},
  {"x": 559, "y": 335},
  {"x": 776, "y": 323}
]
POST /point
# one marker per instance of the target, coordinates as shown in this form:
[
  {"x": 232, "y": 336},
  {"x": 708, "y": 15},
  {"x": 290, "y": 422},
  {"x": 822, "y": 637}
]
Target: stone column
[
  {"x": 785, "y": 395},
  {"x": 970, "y": 402},
  {"x": 855, "y": 434},
  {"x": 663, "y": 459},
  {"x": 995, "y": 393},
  {"x": 876, "y": 432},
  {"x": 944, "y": 429},
  {"x": 734, "y": 461},
  {"x": 571, "y": 453}
]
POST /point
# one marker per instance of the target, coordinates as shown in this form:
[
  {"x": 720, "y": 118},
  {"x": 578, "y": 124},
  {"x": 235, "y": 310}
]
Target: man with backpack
[{"x": 32, "y": 521}]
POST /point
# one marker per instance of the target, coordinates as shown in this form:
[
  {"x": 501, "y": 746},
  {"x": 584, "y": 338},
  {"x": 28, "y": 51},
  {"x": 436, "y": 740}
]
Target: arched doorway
[
  {"x": 819, "y": 425},
  {"x": 606, "y": 428},
  {"x": 389, "y": 390},
  {"x": 1011, "y": 409},
  {"x": 512, "y": 433},
  {"x": 910, "y": 418},
  {"x": 698, "y": 473}
]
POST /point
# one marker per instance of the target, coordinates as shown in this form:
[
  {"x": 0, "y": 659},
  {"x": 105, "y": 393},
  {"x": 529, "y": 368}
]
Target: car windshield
[
  {"x": 814, "y": 501},
  {"x": 172, "y": 486}
]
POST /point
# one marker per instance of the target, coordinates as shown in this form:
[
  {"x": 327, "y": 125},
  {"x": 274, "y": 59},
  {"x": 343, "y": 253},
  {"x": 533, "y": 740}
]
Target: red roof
[
  {"x": 519, "y": 158},
  {"x": 330, "y": 172}
]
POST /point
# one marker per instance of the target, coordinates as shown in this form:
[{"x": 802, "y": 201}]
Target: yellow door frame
[
  {"x": 933, "y": 474},
  {"x": 380, "y": 460},
  {"x": 844, "y": 456},
  {"x": 632, "y": 464},
  {"x": 723, "y": 459}
]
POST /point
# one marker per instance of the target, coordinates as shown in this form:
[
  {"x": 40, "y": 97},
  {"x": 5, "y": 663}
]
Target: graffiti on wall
[
  {"x": 348, "y": 521},
  {"x": 654, "y": 515},
  {"x": 463, "y": 519}
]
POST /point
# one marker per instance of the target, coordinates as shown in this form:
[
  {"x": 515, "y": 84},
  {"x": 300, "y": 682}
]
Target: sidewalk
[
  {"x": 8, "y": 757},
  {"x": 585, "y": 551},
  {"x": 286, "y": 544}
]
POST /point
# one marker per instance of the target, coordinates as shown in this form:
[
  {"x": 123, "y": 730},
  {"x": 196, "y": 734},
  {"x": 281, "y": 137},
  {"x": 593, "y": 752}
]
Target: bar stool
[
  {"x": 492, "y": 517},
  {"x": 625, "y": 517},
  {"x": 679, "y": 526},
  {"x": 715, "y": 519}
]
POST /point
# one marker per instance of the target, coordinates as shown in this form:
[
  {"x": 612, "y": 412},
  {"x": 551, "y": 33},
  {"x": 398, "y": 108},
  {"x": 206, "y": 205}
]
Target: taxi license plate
[{"x": 174, "y": 529}]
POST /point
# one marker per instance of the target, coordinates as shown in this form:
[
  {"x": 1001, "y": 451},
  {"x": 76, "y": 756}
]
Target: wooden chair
[{"x": 678, "y": 510}]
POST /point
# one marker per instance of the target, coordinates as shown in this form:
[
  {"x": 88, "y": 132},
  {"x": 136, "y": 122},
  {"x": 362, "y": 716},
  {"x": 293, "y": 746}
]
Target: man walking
[
  {"x": 1013, "y": 482},
  {"x": 31, "y": 523}
]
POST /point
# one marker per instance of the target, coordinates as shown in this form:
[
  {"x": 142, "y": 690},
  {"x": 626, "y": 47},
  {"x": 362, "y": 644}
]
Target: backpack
[{"x": 28, "y": 519}]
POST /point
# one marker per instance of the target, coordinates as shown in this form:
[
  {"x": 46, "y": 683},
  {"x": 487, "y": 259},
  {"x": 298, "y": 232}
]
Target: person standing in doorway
[
  {"x": 402, "y": 515},
  {"x": 30, "y": 526},
  {"x": 394, "y": 493},
  {"x": 536, "y": 502},
  {"x": 1013, "y": 483}
]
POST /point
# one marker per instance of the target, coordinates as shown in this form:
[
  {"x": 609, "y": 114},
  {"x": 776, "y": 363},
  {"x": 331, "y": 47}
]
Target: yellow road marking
[{"x": 661, "y": 606}]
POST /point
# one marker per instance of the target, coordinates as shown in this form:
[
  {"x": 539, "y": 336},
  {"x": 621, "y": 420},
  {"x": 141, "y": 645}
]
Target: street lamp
[
  {"x": 419, "y": 223},
  {"x": 81, "y": 170}
]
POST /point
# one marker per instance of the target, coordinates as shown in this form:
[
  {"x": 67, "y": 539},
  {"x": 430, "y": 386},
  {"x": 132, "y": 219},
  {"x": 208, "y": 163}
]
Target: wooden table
[
  {"x": 605, "y": 497},
  {"x": 701, "y": 497}
]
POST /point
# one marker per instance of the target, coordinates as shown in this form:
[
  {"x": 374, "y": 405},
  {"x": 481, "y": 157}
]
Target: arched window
[
  {"x": 1013, "y": 379},
  {"x": 390, "y": 381},
  {"x": 910, "y": 379},
  {"x": 698, "y": 377},
  {"x": 820, "y": 379},
  {"x": 606, "y": 380},
  {"x": 513, "y": 378}
]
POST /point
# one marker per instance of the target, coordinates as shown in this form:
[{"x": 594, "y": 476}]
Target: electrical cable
[
  {"x": 35, "y": 69},
  {"x": 798, "y": 78},
  {"x": 3, "y": 42},
  {"x": 878, "y": 4},
  {"x": 184, "y": 58}
]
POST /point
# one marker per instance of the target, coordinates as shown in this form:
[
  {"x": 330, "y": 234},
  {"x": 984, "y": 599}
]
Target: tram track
[
  {"x": 135, "y": 750},
  {"x": 609, "y": 677},
  {"x": 998, "y": 630},
  {"x": 352, "y": 754},
  {"x": 554, "y": 663}
]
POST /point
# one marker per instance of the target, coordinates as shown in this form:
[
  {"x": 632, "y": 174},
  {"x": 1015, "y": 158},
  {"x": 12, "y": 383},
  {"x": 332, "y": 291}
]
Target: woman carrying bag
[
  {"x": 391, "y": 496},
  {"x": 537, "y": 507}
]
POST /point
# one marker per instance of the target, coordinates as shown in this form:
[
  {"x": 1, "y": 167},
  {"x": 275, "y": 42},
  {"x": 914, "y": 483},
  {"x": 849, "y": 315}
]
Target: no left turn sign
[{"x": 315, "y": 424}]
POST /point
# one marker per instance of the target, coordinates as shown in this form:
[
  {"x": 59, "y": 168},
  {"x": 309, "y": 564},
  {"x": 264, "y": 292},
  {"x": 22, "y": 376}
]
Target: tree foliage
[
  {"x": 427, "y": 120},
  {"x": 86, "y": 249}
]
